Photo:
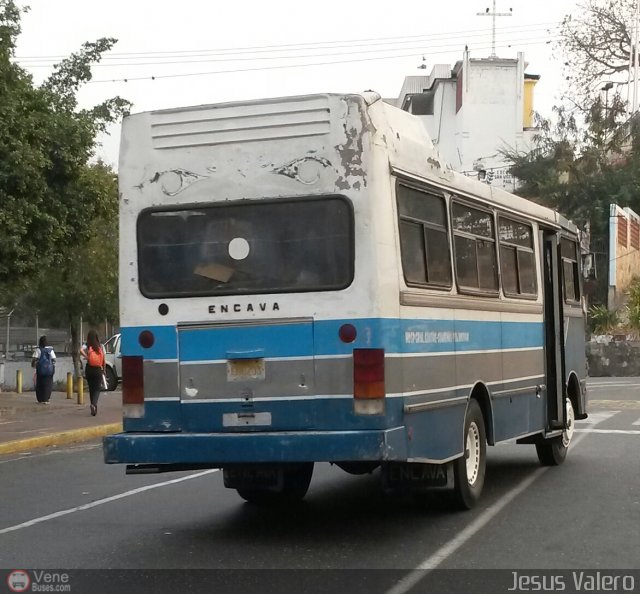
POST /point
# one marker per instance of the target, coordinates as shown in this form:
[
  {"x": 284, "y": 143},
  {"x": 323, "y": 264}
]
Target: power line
[
  {"x": 420, "y": 48},
  {"x": 284, "y": 66},
  {"x": 302, "y": 46}
]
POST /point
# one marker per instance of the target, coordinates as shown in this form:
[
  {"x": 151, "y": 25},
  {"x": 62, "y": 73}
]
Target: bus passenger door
[{"x": 553, "y": 329}]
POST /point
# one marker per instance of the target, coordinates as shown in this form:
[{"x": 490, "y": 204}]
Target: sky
[{"x": 192, "y": 52}]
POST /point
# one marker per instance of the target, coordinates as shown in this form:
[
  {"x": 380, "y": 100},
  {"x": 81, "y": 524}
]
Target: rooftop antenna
[{"x": 494, "y": 14}]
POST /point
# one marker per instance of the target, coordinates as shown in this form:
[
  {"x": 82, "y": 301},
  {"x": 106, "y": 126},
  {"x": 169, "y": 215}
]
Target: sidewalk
[{"x": 25, "y": 424}]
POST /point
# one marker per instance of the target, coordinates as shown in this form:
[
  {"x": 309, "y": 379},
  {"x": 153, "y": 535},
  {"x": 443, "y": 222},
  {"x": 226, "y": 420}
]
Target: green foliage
[
  {"x": 48, "y": 195},
  {"x": 602, "y": 320},
  {"x": 85, "y": 280},
  {"x": 581, "y": 171},
  {"x": 633, "y": 303}
]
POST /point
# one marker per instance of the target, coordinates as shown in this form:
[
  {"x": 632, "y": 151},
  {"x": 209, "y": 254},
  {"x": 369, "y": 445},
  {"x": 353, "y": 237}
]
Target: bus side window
[
  {"x": 474, "y": 249},
  {"x": 517, "y": 258},
  {"x": 424, "y": 240},
  {"x": 569, "y": 252}
]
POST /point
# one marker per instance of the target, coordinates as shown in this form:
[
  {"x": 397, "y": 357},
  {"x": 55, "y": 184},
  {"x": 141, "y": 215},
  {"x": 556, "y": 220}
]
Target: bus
[{"x": 304, "y": 280}]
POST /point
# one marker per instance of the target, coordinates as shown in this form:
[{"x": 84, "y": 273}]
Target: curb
[{"x": 62, "y": 438}]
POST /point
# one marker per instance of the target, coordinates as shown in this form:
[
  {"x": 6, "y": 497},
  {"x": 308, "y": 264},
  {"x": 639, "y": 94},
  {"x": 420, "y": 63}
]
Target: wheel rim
[
  {"x": 473, "y": 453},
  {"x": 567, "y": 433}
]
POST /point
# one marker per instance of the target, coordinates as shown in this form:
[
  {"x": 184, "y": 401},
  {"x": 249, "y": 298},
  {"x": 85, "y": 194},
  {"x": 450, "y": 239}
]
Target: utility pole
[
  {"x": 635, "y": 59},
  {"x": 632, "y": 89},
  {"x": 494, "y": 14},
  {"x": 5, "y": 311}
]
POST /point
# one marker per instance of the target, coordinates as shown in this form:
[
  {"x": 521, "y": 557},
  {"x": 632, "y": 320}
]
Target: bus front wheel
[
  {"x": 468, "y": 470},
  {"x": 552, "y": 452}
]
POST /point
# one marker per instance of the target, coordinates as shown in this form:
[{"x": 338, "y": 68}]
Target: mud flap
[{"x": 416, "y": 476}]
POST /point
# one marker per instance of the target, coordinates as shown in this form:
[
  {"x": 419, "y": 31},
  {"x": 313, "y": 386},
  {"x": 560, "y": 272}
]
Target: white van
[{"x": 113, "y": 362}]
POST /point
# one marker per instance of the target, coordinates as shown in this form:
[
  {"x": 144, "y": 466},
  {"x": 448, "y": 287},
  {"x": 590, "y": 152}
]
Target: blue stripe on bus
[
  {"x": 165, "y": 345},
  {"x": 321, "y": 338},
  {"x": 281, "y": 340}
]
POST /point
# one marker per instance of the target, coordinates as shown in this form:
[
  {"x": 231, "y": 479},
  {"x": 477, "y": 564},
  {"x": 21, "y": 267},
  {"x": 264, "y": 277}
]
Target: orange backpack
[{"x": 95, "y": 359}]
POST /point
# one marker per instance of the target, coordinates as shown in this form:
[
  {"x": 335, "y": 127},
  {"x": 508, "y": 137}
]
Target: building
[
  {"x": 474, "y": 110},
  {"x": 624, "y": 253}
]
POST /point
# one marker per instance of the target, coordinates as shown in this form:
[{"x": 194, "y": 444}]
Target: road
[{"x": 66, "y": 509}]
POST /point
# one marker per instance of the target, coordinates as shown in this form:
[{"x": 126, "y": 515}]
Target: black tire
[
  {"x": 552, "y": 452},
  {"x": 295, "y": 484},
  {"x": 112, "y": 379},
  {"x": 469, "y": 470}
]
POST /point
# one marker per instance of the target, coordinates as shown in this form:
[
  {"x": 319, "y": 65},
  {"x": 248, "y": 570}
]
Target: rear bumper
[{"x": 226, "y": 448}]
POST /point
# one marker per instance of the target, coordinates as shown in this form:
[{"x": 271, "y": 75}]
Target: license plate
[
  {"x": 246, "y": 419},
  {"x": 245, "y": 369}
]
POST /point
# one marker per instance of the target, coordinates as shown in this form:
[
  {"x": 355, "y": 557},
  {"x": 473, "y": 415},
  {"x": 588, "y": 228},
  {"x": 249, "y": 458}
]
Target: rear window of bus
[{"x": 247, "y": 248}]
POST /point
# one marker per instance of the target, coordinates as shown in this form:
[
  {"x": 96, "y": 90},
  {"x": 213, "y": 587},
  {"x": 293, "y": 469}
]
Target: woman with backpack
[
  {"x": 93, "y": 352},
  {"x": 44, "y": 360}
]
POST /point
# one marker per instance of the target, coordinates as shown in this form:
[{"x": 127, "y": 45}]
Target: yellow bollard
[
  {"x": 19, "y": 381},
  {"x": 80, "y": 390},
  {"x": 69, "y": 385}
]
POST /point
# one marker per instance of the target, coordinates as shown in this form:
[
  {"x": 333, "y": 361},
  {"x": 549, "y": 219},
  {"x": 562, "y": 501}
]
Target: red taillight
[
  {"x": 132, "y": 380},
  {"x": 146, "y": 339},
  {"x": 347, "y": 333},
  {"x": 368, "y": 373}
]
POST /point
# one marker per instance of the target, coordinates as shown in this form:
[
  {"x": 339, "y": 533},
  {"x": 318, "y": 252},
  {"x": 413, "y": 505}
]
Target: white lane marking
[
  {"x": 613, "y": 431},
  {"x": 445, "y": 551},
  {"x": 636, "y": 422},
  {"x": 98, "y": 502},
  {"x": 598, "y": 417}
]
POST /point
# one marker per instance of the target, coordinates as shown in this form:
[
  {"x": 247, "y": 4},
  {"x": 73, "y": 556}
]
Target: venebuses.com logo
[
  {"x": 18, "y": 580},
  {"x": 38, "y": 580}
]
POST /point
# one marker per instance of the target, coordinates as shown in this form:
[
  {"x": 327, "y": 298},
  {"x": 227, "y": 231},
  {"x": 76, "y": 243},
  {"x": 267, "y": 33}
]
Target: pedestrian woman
[
  {"x": 44, "y": 360},
  {"x": 93, "y": 352}
]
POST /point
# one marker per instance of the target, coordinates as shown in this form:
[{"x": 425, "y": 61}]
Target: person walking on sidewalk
[
  {"x": 44, "y": 360},
  {"x": 93, "y": 352}
]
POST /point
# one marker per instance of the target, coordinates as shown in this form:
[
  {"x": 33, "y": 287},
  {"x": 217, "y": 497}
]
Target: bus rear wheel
[
  {"x": 552, "y": 452},
  {"x": 469, "y": 469},
  {"x": 295, "y": 484}
]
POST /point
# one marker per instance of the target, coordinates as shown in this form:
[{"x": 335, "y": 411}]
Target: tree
[
  {"x": 85, "y": 281},
  {"x": 581, "y": 170},
  {"x": 596, "y": 46},
  {"x": 48, "y": 197},
  {"x": 573, "y": 167}
]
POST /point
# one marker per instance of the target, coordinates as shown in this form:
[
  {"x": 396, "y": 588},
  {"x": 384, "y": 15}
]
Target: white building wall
[
  {"x": 441, "y": 126},
  {"x": 491, "y": 114},
  {"x": 490, "y": 118}
]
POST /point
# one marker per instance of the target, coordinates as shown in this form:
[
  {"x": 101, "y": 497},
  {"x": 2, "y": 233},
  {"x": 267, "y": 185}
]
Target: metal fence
[{"x": 19, "y": 341}]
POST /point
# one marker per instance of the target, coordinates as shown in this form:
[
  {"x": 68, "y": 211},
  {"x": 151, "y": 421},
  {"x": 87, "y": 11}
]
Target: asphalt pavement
[{"x": 25, "y": 424}]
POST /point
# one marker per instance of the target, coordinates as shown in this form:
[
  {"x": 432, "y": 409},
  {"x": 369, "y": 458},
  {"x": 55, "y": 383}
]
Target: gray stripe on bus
[{"x": 334, "y": 376}]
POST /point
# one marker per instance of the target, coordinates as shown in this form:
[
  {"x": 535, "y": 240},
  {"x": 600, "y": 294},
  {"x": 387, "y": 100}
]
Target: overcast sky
[{"x": 338, "y": 45}]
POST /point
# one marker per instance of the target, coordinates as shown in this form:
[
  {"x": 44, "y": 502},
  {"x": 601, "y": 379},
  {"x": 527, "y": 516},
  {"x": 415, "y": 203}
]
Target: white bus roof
[{"x": 411, "y": 151}]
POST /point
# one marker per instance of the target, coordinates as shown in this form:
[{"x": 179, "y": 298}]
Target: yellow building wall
[{"x": 527, "y": 116}]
